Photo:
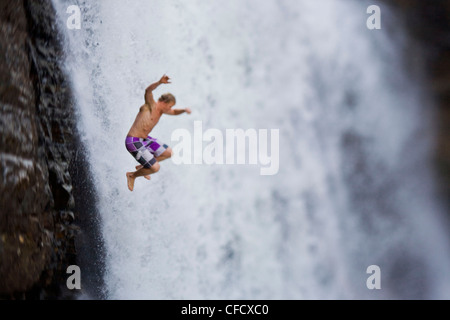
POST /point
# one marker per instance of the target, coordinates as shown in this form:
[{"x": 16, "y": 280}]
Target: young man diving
[{"x": 148, "y": 151}]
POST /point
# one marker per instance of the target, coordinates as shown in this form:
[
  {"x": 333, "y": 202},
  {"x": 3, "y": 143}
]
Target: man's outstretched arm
[
  {"x": 176, "y": 112},
  {"x": 152, "y": 87}
]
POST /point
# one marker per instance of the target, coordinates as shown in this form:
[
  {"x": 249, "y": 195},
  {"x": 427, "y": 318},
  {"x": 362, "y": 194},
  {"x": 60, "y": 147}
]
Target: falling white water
[{"x": 353, "y": 188}]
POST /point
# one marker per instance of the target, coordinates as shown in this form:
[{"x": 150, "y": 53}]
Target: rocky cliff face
[{"x": 36, "y": 136}]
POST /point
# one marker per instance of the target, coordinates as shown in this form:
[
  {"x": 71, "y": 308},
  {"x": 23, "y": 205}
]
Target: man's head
[{"x": 167, "y": 101}]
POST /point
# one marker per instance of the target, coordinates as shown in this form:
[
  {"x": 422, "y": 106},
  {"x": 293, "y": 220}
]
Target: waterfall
[{"x": 354, "y": 186}]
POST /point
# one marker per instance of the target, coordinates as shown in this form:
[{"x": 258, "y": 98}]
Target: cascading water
[{"x": 353, "y": 187}]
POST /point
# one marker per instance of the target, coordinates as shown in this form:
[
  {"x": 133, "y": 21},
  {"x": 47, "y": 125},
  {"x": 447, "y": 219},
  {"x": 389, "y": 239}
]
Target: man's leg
[
  {"x": 142, "y": 172},
  {"x": 140, "y": 167},
  {"x": 164, "y": 156}
]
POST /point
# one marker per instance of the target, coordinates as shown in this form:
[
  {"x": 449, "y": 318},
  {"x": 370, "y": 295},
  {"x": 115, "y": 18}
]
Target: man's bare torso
[{"x": 145, "y": 121}]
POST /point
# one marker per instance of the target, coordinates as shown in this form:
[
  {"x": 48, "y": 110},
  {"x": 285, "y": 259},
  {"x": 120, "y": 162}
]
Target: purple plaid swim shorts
[{"x": 145, "y": 150}]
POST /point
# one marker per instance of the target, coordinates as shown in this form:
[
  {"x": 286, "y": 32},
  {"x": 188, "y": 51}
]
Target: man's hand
[
  {"x": 148, "y": 92},
  {"x": 188, "y": 110},
  {"x": 165, "y": 79}
]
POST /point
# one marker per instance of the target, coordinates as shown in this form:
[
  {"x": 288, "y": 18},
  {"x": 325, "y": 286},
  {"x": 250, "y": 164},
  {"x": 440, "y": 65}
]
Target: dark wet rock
[
  {"x": 37, "y": 233},
  {"x": 429, "y": 23}
]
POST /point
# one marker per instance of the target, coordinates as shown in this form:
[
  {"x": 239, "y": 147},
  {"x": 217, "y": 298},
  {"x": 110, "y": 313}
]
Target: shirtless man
[{"x": 146, "y": 150}]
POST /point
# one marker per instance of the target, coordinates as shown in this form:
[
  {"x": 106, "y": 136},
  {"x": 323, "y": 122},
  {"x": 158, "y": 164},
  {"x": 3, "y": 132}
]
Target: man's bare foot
[
  {"x": 130, "y": 180},
  {"x": 140, "y": 167}
]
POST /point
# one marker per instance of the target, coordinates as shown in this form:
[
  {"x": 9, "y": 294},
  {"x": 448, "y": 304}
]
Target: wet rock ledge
[{"x": 37, "y": 229}]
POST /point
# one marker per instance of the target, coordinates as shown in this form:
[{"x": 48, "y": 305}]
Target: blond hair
[{"x": 168, "y": 98}]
